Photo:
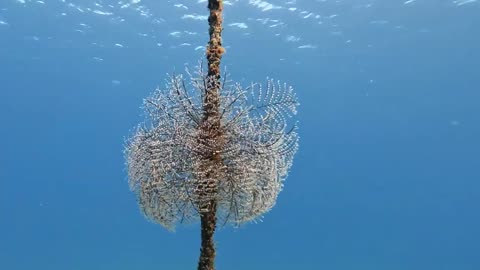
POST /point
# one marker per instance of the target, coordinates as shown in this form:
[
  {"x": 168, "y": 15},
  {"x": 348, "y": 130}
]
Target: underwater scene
[{"x": 239, "y": 134}]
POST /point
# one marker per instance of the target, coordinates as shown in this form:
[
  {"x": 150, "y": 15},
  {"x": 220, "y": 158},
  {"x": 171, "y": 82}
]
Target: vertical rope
[{"x": 212, "y": 131}]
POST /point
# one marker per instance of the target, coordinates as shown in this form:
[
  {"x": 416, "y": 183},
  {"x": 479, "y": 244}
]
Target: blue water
[{"x": 388, "y": 171}]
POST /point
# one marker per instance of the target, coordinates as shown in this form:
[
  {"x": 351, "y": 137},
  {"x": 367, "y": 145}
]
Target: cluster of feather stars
[{"x": 165, "y": 155}]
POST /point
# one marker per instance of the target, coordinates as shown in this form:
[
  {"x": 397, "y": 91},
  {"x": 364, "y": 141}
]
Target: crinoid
[{"x": 169, "y": 157}]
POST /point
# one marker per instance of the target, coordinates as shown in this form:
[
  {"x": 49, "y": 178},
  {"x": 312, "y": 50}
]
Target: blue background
[{"x": 387, "y": 175}]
